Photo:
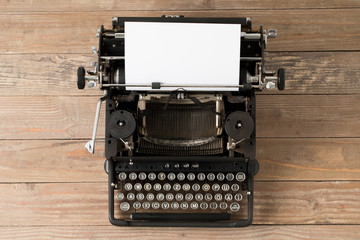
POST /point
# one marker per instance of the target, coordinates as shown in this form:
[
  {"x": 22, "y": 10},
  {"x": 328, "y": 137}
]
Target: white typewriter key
[
  {"x": 240, "y": 176},
  {"x": 213, "y": 205},
  {"x": 201, "y": 176},
  {"x": 155, "y": 205},
  {"x": 124, "y": 206},
  {"x": 150, "y": 197},
  {"x": 130, "y": 196},
  {"x": 157, "y": 186},
  {"x": 120, "y": 196},
  {"x": 228, "y": 197},
  {"x": 171, "y": 176},
  {"x": 142, "y": 176},
  {"x": 140, "y": 196},
  {"x": 165, "y": 205},
  {"x": 128, "y": 186},
  {"x": 238, "y": 197},
  {"x": 229, "y": 176},
  {"x": 136, "y": 205},
  {"x": 161, "y": 176},
  {"x": 194, "y": 205},
  {"x": 199, "y": 197},
  {"x": 189, "y": 196},
  {"x": 211, "y": 177},
  {"x": 205, "y": 187},
  {"x": 177, "y": 187},
  {"x": 203, "y": 205},
  {"x": 208, "y": 197},
  {"x": 225, "y": 187},
  {"x": 146, "y": 205},
  {"x": 184, "y": 205},
  {"x": 234, "y": 207},
  {"x": 196, "y": 187},
  {"x": 167, "y": 187},
  {"x": 215, "y": 187},
  {"x": 147, "y": 186},
  {"x": 223, "y": 205},
  {"x": 186, "y": 187},
  {"x": 160, "y": 197},
  {"x": 175, "y": 205},
  {"x": 169, "y": 197},
  {"x": 181, "y": 176},
  {"x": 137, "y": 186},
  {"x": 132, "y": 176},
  {"x": 152, "y": 176},
  {"x": 122, "y": 176},
  {"x": 179, "y": 197},
  {"x": 218, "y": 197},
  {"x": 220, "y": 177},
  {"x": 191, "y": 177},
  {"x": 235, "y": 187}
]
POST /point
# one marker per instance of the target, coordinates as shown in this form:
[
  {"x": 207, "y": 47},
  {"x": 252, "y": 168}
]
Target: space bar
[{"x": 181, "y": 216}]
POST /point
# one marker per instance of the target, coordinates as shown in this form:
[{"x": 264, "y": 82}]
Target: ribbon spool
[
  {"x": 239, "y": 125},
  {"x": 122, "y": 124}
]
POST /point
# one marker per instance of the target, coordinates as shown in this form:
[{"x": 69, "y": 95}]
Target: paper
[{"x": 182, "y": 54}]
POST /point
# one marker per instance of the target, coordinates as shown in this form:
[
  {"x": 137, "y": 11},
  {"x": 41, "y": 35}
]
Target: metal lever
[{"x": 91, "y": 144}]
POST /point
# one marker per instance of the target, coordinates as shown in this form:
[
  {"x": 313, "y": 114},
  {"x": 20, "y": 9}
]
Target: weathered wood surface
[{"x": 74, "y": 32}]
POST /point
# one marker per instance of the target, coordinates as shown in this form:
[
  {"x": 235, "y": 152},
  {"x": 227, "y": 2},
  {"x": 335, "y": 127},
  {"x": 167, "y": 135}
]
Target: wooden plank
[
  {"x": 86, "y": 203},
  {"x": 280, "y": 159},
  {"x": 74, "y": 32},
  {"x": 306, "y": 73},
  {"x": 108, "y": 5},
  {"x": 57, "y": 117},
  {"x": 319, "y": 232}
]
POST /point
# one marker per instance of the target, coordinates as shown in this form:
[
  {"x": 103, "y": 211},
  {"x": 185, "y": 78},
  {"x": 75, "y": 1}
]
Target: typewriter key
[
  {"x": 208, "y": 197},
  {"x": 186, "y": 187},
  {"x": 120, "y": 196},
  {"x": 199, "y": 197},
  {"x": 191, "y": 177},
  {"x": 235, "y": 187},
  {"x": 228, "y": 197},
  {"x": 152, "y": 176},
  {"x": 223, "y": 205},
  {"x": 238, "y": 197},
  {"x": 167, "y": 187},
  {"x": 234, "y": 207},
  {"x": 181, "y": 176},
  {"x": 179, "y": 197},
  {"x": 124, "y": 206},
  {"x": 132, "y": 176},
  {"x": 122, "y": 176},
  {"x": 171, "y": 176},
  {"x": 201, "y": 176},
  {"x": 220, "y": 177},
  {"x": 240, "y": 177},
  {"x": 194, "y": 205},
  {"x": 213, "y": 205},
  {"x": 161, "y": 176},
  {"x": 203, "y": 205},
  {"x": 177, "y": 187},
  {"x": 140, "y": 196},
  {"x": 137, "y": 186},
  {"x": 155, "y": 205},
  {"x": 229, "y": 176},
  {"x": 146, "y": 205},
  {"x": 189, "y": 196},
  {"x": 196, "y": 187},
  {"x": 128, "y": 186},
  {"x": 211, "y": 177},
  {"x": 157, "y": 187},
  {"x": 147, "y": 186},
  {"x": 136, "y": 205},
  {"x": 205, "y": 187},
  {"x": 169, "y": 197},
  {"x": 142, "y": 176},
  {"x": 160, "y": 197},
  {"x": 175, "y": 205},
  {"x": 165, "y": 205},
  {"x": 130, "y": 196},
  {"x": 225, "y": 187},
  {"x": 150, "y": 197},
  {"x": 215, "y": 187},
  {"x": 184, "y": 205},
  {"x": 218, "y": 197}
]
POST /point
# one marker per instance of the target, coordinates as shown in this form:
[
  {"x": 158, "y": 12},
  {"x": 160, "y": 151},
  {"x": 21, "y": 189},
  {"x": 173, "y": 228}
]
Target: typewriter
[{"x": 180, "y": 152}]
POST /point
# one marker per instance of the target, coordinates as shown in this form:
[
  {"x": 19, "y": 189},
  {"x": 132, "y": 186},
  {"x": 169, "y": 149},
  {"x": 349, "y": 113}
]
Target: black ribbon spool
[
  {"x": 239, "y": 125},
  {"x": 122, "y": 124}
]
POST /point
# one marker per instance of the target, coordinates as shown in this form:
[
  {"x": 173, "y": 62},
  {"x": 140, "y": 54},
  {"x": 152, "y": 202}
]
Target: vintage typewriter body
[{"x": 180, "y": 157}]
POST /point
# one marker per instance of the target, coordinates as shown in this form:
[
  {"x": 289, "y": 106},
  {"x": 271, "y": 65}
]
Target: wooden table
[{"x": 308, "y": 135}]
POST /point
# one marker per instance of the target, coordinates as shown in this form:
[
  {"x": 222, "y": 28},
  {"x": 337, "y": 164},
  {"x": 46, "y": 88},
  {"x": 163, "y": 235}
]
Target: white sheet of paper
[{"x": 182, "y": 54}]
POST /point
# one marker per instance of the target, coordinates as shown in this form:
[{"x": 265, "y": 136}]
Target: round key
[
  {"x": 225, "y": 187},
  {"x": 240, "y": 176},
  {"x": 199, "y": 197},
  {"x": 152, "y": 176},
  {"x": 161, "y": 176},
  {"x": 179, "y": 197},
  {"x": 136, "y": 205},
  {"x": 229, "y": 176},
  {"x": 140, "y": 196},
  {"x": 235, "y": 187},
  {"x": 165, "y": 205},
  {"x": 171, "y": 176},
  {"x": 194, "y": 205},
  {"x": 137, "y": 186},
  {"x": 220, "y": 177},
  {"x": 120, "y": 196},
  {"x": 203, "y": 205},
  {"x": 132, "y": 176},
  {"x": 147, "y": 186},
  {"x": 234, "y": 207},
  {"x": 160, "y": 197},
  {"x": 201, "y": 176},
  {"x": 155, "y": 205},
  {"x": 186, "y": 187},
  {"x": 150, "y": 197},
  {"x": 238, "y": 197},
  {"x": 205, "y": 187},
  {"x": 208, "y": 197},
  {"x": 195, "y": 187},
  {"x": 175, "y": 205},
  {"x": 177, "y": 187},
  {"x": 211, "y": 177},
  {"x": 128, "y": 186},
  {"x": 215, "y": 187},
  {"x": 146, "y": 205},
  {"x": 167, "y": 187},
  {"x": 189, "y": 196},
  {"x": 213, "y": 205},
  {"x": 228, "y": 197},
  {"x": 169, "y": 197},
  {"x": 142, "y": 176},
  {"x": 181, "y": 176},
  {"x": 130, "y": 196},
  {"x": 191, "y": 177},
  {"x": 184, "y": 205},
  {"x": 124, "y": 206},
  {"x": 223, "y": 205},
  {"x": 157, "y": 187},
  {"x": 122, "y": 176},
  {"x": 218, "y": 197}
]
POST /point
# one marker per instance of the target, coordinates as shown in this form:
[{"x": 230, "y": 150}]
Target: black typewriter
[{"x": 179, "y": 154}]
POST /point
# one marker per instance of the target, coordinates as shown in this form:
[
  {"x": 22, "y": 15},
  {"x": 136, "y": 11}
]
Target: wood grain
[
  {"x": 74, "y": 32},
  {"x": 306, "y": 73},
  {"x": 58, "y": 204}
]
